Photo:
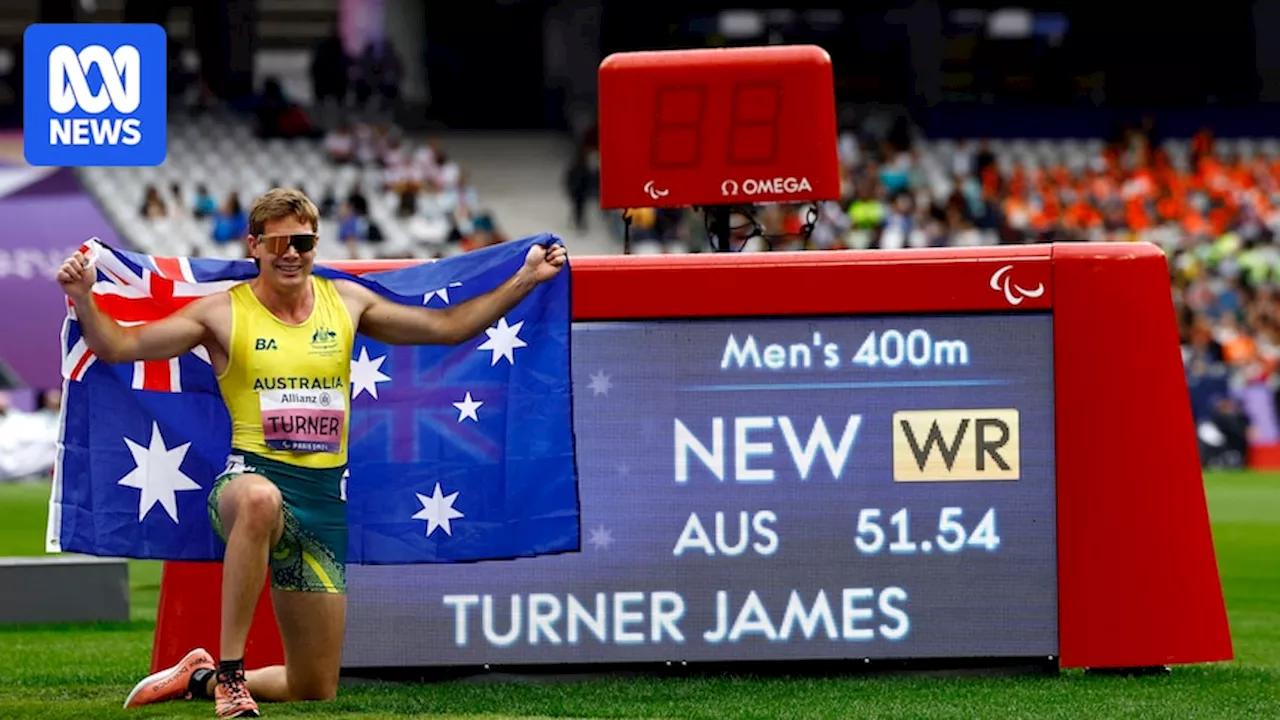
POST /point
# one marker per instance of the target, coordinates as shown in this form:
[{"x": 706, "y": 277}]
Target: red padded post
[
  {"x": 190, "y": 616},
  {"x": 1137, "y": 577}
]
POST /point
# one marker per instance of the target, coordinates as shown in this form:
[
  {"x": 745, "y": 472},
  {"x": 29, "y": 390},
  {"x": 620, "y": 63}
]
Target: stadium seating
[{"x": 223, "y": 154}]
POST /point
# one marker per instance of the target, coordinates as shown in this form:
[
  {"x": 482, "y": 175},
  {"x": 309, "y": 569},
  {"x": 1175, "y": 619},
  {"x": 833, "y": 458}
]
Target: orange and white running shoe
[
  {"x": 231, "y": 697},
  {"x": 172, "y": 683}
]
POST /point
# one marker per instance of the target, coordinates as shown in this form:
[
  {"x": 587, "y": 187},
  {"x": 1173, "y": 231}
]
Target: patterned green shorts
[{"x": 312, "y": 553}]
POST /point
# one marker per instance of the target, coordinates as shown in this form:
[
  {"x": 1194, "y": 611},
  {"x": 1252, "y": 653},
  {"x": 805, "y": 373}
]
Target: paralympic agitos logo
[{"x": 1013, "y": 292}]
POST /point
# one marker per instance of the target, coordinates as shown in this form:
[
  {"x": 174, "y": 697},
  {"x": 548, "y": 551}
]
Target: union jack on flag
[
  {"x": 141, "y": 442},
  {"x": 135, "y": 289}
]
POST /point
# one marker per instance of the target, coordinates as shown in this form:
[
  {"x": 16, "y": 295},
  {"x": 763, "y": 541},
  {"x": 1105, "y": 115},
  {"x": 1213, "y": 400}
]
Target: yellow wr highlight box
[{"x": 956, "y": 445}]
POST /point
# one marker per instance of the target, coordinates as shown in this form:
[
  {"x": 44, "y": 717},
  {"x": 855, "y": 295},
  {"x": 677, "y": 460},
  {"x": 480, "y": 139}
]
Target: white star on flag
[
  {"x": 467, "y": 408},
  {"x": 503, "y": 340},
  {"x": 438, "y": 511},
  {"x": 601, "y": 538},
  {"x": 442, "y": 293},
  {"x": 599, "y": 383},
  {"x": 156, "y": 473},
  {"x": 365, "y": 374}
]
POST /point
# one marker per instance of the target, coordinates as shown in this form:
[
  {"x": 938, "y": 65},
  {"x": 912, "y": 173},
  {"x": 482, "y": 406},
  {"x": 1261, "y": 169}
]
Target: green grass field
[{"x": 84, "y": 672}]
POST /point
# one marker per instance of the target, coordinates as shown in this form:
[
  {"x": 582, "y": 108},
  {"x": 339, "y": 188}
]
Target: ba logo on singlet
[
  {"x": 265, "y": 344},
  {"x": 94, "y": 94}
]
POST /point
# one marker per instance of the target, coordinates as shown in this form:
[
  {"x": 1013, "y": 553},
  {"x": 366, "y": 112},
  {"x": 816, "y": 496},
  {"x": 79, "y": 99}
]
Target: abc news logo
[
  {"x": 95, "y": 94},
  {"x": 956, "y": 445},
  {"x": 69, "y": 91}
]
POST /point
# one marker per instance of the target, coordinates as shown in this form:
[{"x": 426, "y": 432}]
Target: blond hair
[{"x": 279, "y": 203}]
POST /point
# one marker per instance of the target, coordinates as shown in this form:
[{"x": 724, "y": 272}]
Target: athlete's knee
[
  {"x": 255, "y": 503},
  {"x": 319, "y": 693},
  {"x": 313, "y": 687}
]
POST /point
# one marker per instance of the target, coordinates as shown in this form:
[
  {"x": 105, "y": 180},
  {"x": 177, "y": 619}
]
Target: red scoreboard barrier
[{"x": 1137, "y": 579}]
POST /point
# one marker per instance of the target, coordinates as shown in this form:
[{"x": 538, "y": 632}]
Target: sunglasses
[{"x": 278, "y": 244}]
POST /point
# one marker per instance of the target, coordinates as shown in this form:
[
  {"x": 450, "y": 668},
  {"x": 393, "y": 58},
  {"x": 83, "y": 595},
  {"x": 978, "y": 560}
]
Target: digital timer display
[
  {"x": 680, "y": 113},
  {"x": 771, "y": 489},
  {"x": 717, "y": 127}
]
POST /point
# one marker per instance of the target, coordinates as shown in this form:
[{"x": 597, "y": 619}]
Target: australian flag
[{"x": 456, "y": 453}]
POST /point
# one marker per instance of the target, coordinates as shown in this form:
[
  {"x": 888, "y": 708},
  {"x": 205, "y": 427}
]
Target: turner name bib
[{"x": 303, "y": 420}]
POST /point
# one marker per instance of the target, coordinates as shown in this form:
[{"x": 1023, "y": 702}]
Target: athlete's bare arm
[
  {"x": 397, "y": 324},
  {"x": 193, "y": 325}
]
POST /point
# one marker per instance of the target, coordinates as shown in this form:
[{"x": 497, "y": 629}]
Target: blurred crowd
[
  {"x": 382, "y": 194},
  {"x": 28, "y": 435},
  {"x": 1226, "y": 297},
  {"x": 433, "y": 203}
]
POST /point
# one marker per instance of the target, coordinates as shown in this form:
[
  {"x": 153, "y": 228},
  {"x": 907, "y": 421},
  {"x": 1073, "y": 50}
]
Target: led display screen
[{"x": 769, "y": 489}]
